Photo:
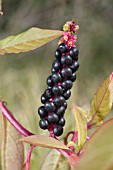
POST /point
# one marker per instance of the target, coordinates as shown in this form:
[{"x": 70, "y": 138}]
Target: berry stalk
[{"x": 60, "y": 82}]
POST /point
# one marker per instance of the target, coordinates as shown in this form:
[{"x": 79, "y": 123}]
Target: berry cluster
[{"x": 59, "y": 83}]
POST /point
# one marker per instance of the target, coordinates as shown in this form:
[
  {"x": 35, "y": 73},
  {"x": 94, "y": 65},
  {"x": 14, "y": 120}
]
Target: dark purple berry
[
  {"x": 49, "y": 106},
  {"x": 73, "y": 77},
  {"x": 66, "y": 72},
  {"x": 58, "y": 130},
  {"x": 58, "y": 54},
  {"x": 74, "y": 53},
  {"x": 48, "y": 93},
  {"x": 66, "y": 60},
  {"x": 42, "y": 112},
  {"x": 44, "y": 99},
  {"x": 53, "y": 118},
  {"x": 56, "y": 77},
  {"x": 49, "y": 87},
  {"x": 56, "y": 65},
  {"x": 67, "y": 84},
  {"x": 63, "y": 48},
  {"x": 59, "y": 101},
  {"x": 60, "y": 111},
  {"x": 61, "y": 122},
  {"x": 65, "y": 105},
  {"x": 53, "y": 70},
  {"x": 43, "y": 123},
  {"x": 67, "y": 94},
  {"x": 74, "y": 66},
  {"x": 57, "y": 90},
  {"x": 49, "y": 81}
]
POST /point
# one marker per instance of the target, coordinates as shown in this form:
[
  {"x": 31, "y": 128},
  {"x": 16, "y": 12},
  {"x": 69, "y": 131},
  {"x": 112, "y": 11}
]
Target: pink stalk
[
  {"x": 13, "y": 121},
  {"x": 29, "y": 157},
  {"x": 74, "y": 139}
]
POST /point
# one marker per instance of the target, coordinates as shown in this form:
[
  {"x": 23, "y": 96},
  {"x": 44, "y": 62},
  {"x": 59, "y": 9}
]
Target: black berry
[
  {"x": 56, "y": 65},
  {"x": 67, "y": 94},
  {"x": 66, "y": 72},
  {"x": 67, "y": 84},
  {"x": 57, "y": 90},
  {"x": 56, "y": 77},
  {"x": 60, "y": 111},
  {"x": 53, "y": 70},
  {"x": 58, "y": 130},
  {"x": 74, "y": 66},
  {"x": 58, "y": 54},
  {"x": 44, "y": 99},
  {"x": 48, "y": 93},
  {"x": 53, "y": 118},
  {"x": 63, "y": 48},
  {"x": 42, "y": 112},
  {"x": 61, "y": 122},
  {"x": 43, "y": 123},
  {"x": 49, "y": 81},
  {"x": 74, "y": 53},
  {"x": 73, "y": 77},
  {"x": 59, "y": 101},
  {"x": 66, "y": 60},
  {"x": 49, "y": 106}
]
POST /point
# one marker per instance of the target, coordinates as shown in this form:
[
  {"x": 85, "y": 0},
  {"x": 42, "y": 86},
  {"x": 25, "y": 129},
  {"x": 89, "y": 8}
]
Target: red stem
[{"x": 13, "y": 121}]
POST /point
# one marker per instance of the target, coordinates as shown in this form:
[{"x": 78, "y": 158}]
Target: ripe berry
[
  {"x": 48, "y": 93},
  {"x": 61, "y": 122},
  {"x": 53, "y": 70},
  {"x": 56, "y": 77},
  {"x": 66, "y": 72},
  {"x": 67, "y": 84},
  {"x": 56, "y": 65},
  {"x": 66, "y": 60},
  {"x": 67, "y": 94},
  {"x": 57, "y": 90},
  {"x": 58, "y": 54},
  {"x": 63, "y": 48},
  {"x": 74, "y": 53},
  {"x": 53, "y": 118},
  {"x": 59, "y": 101},
  {"x": 65, "y": 105},
  {"x": 58, "y": 130},
  {"x": 42, "y": 112},
  {"x": 74, "y": 66},
  {"x": 43, "y": 123},
  {"x": 44, "y": 99},
  {"x": 73, "y": 77},
  {"x": 49, "y": 106},
  {"x": 49, "y": 81},
  {"x": 60, "y": 111}
]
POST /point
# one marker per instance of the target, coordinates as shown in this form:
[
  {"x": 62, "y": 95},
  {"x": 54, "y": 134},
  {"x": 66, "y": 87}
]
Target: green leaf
[
  {"x": 52, "y": 160},
  {"x": 44, "y": 141},
  {"x": 81, "y": 126},
  {"x": 102, "y": 102},
  {"x": 12, "y": 149},
  {"x": 28, "y": 40},
  {"x": 97, "y": 153}
]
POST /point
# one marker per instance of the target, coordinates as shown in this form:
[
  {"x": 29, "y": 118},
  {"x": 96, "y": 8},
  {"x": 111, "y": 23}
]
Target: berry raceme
[{"x": 60, "y": 82}]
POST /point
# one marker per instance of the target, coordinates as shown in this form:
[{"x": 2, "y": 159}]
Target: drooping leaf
[
  {"x": 44, "y": 141},
  {"x": 80, "y": 125},
  {"x": 28, "y": 40},
  {"x": 12, "y": 149},
  {"x": 52, "y": 160},
  {"x": 102, "y": 102},
  {"x": 98, "y": 151}
]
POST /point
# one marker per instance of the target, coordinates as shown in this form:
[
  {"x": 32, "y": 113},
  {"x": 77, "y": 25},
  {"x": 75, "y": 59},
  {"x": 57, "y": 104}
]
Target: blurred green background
[{"x": 23, "y": 76}]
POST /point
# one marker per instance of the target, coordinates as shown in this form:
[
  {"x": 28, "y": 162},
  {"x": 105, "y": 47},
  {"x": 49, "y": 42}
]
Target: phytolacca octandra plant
[{"x": 60, "y": 82}]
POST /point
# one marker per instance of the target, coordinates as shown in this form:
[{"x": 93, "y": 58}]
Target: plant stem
[{"x": 13, "y": 121}]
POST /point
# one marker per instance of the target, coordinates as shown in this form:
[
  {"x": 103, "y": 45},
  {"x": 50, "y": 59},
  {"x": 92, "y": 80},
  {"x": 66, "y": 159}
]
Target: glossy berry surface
[
  {"x": 63, "y": 48},
  {"x": 43, "y": 124},
  {"x": 58, "y": 54},
  {"x": 74, "y": 66},
  {"x": 49, "y": 81},
  {"x": 53, "y": 118},
  {"x": 60, "y": 111},
  {"x": 58, "y": 130},
  {"x": 44, "y": 99},
  {"x": 73, "y": 77},
  {"x": 49, "y": 106},
  {"x": 66, "y": 60},
  {"x": 59, "y": 101},
  {"x": 67, "y": 94},
  {"x": 67, "y": 84},
  {"x": 42, "y": 112},
  {"x": 57, "y": 90},
  {"x": 56, "y": 77},
  {"x": 66, "y": 72},
  {"x": 56, "y": 65},
  {"x": 74, "y": 53},
  {"x": 48, "y": 93},
  {"x": 61, "y": 122}
]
